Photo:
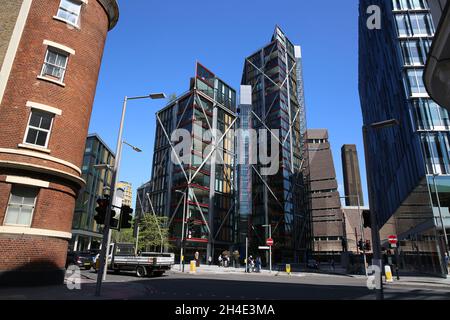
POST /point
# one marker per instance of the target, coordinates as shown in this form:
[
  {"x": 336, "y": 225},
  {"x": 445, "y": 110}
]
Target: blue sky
[{"x": 155, "y": 46}]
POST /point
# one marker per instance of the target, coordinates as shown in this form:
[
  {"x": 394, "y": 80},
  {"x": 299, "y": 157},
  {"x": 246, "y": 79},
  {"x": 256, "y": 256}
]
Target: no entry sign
[
  {"x": 269, "y": 242},
  {"x": 393, "y": 239}
]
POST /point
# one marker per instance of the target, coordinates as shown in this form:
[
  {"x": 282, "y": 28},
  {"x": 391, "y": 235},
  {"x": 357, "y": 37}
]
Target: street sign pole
[{"x": 270, "y": 250}]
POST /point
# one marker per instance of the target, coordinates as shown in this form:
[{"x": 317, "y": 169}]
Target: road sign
[
  {"x": 269, "y": 242},
  {"x": 264, "y": 248},
  {"x": 393, "y": 239}
]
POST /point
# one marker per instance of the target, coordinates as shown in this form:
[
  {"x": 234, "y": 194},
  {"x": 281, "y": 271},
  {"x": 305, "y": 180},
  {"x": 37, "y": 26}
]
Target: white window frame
[
  {"x": 58, "y": 51},
  {"x": 21, "y": 205},
  {"x": 49, "y": 131},
  {"x": 77, "y": 23}
]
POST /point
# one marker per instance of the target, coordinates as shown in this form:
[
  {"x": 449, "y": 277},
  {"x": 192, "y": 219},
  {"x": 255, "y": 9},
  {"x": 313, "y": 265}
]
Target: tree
[
  {"x": 151, "y": 229},
  {"x": 123, "y": 236}
]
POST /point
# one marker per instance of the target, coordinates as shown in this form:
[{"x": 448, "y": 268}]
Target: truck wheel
[{"x": 140, "y": 271}]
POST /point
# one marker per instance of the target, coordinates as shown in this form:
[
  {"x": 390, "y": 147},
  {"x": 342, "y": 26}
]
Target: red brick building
[{"x": 50, "y": 56}]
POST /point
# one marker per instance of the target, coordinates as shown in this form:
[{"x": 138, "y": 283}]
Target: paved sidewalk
[
  {"x": 214, "y": 269},
  {"x": 420, "y": 281}
]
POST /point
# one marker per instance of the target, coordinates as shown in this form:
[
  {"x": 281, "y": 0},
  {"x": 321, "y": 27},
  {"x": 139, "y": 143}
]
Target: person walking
[
  {"x": 220, "y": 261},
  {"x": 332, "y": 264},
  {"x": 447, "y": 263},
  {"x": 258, "y": 264},
  {"x": 209, "y": 260}
]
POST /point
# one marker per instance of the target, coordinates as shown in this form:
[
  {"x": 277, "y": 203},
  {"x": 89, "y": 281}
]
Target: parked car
[
  {"x": 312, "y": 264},
  {"x": 79, "y": 259}
]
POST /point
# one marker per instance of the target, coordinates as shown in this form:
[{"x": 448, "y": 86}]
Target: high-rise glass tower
[
  {"x": 275, "y": 75},
  {"x": 194, "y": 187},
  {"x": 406, "y": 163}
]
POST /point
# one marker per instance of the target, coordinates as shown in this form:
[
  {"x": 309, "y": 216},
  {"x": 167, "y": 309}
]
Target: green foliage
[
  {"x": 123, "y": 236},
  {"x": 150, "y": 230}
]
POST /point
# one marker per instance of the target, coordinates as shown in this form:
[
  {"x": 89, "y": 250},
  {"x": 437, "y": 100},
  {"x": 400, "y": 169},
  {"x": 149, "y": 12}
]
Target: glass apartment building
[
  {"x": 86, "y": 234},
  {"x": 275, "y": 74},
  {"x": 409, "y": 162},
  {"x": 207, "y": 182},
  {"x": 244, "y": 169}
]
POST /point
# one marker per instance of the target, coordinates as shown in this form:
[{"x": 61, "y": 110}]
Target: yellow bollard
[
  {"x": 193, "y": 267},
  {"x": 388, "y": 273},
  {"x": 288, "y": 269}
]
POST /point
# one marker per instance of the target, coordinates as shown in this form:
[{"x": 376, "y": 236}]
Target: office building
[
  {"x": 194, "y": 177},
  {"x": 437, "y": 73},
  {"x": 86, "y": 234},
  {"x": 280, "y": 200},
  {"x": 406, "y": 134},
  {"x": 50, "y": 57},
  {"x": 127, "y": 193},
  {"x": 352, "y": 177},
  {"x": 328, "y": 224}
]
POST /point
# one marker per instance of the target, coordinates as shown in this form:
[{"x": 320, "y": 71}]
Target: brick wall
[
  {"x": 8, "y": 16},
  {"x": 36, "y": 252},
  {"x": 55, "y": 205}
]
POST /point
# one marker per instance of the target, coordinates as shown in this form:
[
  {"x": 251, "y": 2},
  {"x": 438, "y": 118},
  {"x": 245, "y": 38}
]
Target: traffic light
[
  {"x": 125, "y": 217},
  {"x": 368, "y": 245},
  {"x": 366, "y": 219},
  {"x": 361, "y": 245},
  {"x": 114, "y": 221},
  {"x": 102, "y": 206}
]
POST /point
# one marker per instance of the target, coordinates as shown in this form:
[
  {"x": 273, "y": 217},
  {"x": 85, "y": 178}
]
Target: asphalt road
[
  {"x": 248, "y": 287},
  {"x": 265, "y": 287}
]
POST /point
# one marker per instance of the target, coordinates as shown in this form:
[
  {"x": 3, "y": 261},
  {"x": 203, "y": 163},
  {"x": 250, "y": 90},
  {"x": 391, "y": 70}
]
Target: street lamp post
[
  {"x": 107, "y": 230},
  {"x": 183, "y": 194},
  {"x": 376, "y": 242},
  {"x": 270, "y": 247}
]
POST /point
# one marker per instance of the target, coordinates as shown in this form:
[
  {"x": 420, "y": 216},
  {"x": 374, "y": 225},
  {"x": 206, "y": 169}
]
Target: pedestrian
[
  {"x": 258, "y": 264},
  {"x": 209, "y": 260},
  {"x": 220, "y": 261},
  {"x": 332, "y": 264},
  {"x": 251, "y": 264},
  {"x": 197, "y": 259},
  {"x": 447, "y": 263}
]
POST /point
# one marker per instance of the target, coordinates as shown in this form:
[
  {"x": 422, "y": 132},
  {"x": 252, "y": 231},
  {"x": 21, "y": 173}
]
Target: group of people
[
  {"x": 254, "y": 265},
  {"x": 224, "y": 261}
]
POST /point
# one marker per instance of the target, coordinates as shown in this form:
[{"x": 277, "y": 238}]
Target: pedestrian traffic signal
[
  {"x": 125, "y": 217},
  {"x": 102, "y": 206},
  {"x": 366, "y": 219}
]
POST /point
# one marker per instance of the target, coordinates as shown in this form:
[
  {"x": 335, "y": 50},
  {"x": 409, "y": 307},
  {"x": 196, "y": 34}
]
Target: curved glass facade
[{"x": 404, "y": 161}]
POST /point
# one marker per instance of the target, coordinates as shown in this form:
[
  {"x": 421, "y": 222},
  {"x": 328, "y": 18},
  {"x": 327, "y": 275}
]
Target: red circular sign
[
  {"x": 269, "y": 242},
  {"x": 393, "y": 239}
]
